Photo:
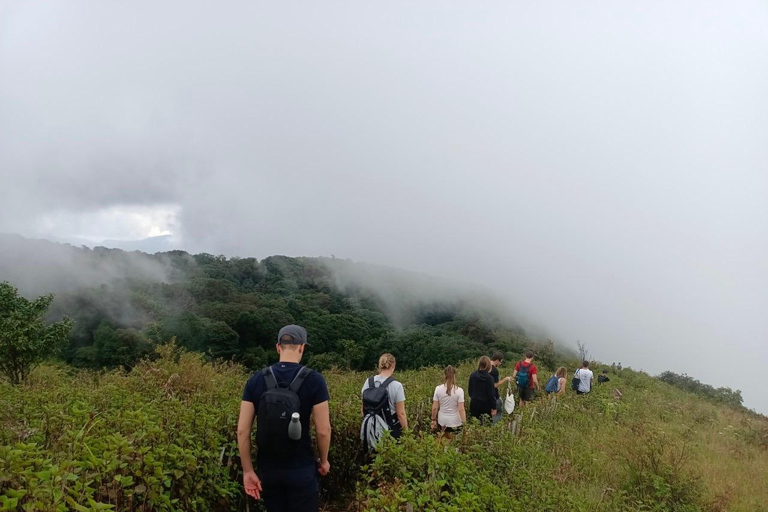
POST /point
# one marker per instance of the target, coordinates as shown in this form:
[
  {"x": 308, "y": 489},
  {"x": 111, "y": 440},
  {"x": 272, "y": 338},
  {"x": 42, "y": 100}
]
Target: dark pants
[
  {"x": 499, "y": 406},
  {"x": 291, "y": 490},
  {"x": 479, "y": 409}
]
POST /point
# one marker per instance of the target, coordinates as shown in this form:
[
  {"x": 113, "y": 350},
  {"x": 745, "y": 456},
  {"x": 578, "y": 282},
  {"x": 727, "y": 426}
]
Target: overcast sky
[{"x": 603, "y": 164}]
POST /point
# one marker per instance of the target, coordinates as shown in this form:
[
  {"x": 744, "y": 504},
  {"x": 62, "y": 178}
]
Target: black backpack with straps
[
  {"x": 276, "y": 406},
  {"x": 376, "y": 401}
]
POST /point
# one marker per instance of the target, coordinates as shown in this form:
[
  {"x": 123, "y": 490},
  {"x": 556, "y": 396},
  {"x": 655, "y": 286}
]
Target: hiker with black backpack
[
  {"x": 383, "y": 404},
  {"x": 282, "y": 398},
  {"x": 526, "y": 378}
]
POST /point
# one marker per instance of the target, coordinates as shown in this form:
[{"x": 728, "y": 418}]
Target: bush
[{"x": 659, "y": 476}]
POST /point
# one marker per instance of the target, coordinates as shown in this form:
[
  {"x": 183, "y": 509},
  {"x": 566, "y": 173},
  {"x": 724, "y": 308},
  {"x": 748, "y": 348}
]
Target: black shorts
[
  {"x": 448, "y": 430},
  {"x": 526, "y": 393}
]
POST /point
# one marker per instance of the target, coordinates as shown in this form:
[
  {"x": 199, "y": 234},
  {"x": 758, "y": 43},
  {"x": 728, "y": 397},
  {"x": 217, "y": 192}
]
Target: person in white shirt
[
  {"x": 448, "y": 414},
  {"x": 586, "y": 379}
]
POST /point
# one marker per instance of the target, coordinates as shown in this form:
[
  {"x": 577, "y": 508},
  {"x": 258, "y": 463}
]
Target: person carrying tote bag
[{"x": 509, "y": 402}]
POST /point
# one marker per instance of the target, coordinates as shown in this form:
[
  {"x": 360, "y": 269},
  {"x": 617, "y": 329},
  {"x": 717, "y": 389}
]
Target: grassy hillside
[{"x": 162, "y": 437}]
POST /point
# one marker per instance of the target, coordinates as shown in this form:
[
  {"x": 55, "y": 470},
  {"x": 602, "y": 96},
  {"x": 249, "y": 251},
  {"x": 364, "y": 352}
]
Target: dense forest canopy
[{"x": 124, "y": 304}]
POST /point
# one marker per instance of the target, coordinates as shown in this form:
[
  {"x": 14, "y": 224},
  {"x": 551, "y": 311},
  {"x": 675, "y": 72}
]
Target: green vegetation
[
  {"x": 25, "y": 339},
  {"x": 719, "y": 395},
  {"x": 131, "y": 422},
  {"x": 232, "y": 309},
  {"x": 162, "y": 437}
]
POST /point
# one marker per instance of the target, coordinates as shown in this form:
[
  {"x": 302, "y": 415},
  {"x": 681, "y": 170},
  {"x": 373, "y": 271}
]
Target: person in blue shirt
[{"x": 287, "y": 482}]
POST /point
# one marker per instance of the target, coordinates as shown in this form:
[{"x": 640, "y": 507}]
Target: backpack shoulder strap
[
  {"x": 269, "y": 377},
  {"x": 301, "y": 376},
  {"x": 371, "y": 382},
  {"x": 387, "y": 382}
]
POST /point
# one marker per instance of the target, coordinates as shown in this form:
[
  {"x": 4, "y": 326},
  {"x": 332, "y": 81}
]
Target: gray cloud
[{"x": 601, "y": 166}]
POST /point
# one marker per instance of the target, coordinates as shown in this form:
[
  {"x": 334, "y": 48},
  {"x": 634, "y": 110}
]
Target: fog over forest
[{"x": 601, "y": 167}]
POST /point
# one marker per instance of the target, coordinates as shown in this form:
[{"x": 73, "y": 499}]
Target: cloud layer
[{"x": 600, "y": 165}]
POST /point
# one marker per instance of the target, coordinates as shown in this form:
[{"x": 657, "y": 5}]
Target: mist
[
  {"x": 39, "y": 267},
  {"x": 600, "y": 166}
]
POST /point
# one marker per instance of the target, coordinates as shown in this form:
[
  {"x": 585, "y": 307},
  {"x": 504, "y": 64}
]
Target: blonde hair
[
  {"x": 386, "y": 361},
  {"x": 450, "y": 379},
  {"x": 484, "y": 364},
  {"x": 561, "y": 372}
]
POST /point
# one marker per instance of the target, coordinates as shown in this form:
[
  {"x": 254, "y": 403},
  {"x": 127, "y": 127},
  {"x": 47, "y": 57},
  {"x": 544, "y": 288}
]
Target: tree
[
  {"x": 25, "y": 339},
  {"x": 583, "y": 352}
]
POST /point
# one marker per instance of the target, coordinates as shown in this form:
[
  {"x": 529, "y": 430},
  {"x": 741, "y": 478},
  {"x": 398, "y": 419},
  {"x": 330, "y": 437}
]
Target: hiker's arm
[
  {"x": 536, "y": 380},
  {"x": 435, "y": 408},
  {"x": 244, "y": 425},
  {"x": 400, "y": 408},
  {"x": 462, "y": 413},
  {"x": 322, "y": 417},
  {"x": 502, "y": 381}
]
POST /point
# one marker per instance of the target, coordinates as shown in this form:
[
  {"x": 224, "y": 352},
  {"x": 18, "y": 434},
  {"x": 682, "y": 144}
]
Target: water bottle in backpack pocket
[{"x": 276, "y": 431}]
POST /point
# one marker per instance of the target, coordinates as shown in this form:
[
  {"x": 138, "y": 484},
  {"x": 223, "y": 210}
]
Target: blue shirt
[{"x": 314, "y": 391}]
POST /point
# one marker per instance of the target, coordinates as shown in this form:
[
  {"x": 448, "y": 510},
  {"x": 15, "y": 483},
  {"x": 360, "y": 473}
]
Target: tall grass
[{"x": 162, "y": 437}]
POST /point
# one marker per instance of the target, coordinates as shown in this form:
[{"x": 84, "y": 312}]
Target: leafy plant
[{"x": 25, "y": 339}]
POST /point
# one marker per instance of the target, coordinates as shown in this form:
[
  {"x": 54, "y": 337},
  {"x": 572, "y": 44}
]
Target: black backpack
[
  {"x": 575, "y": 381},
  {"x": 376, "y": 403},
  {"x": 276, "y": 406}
]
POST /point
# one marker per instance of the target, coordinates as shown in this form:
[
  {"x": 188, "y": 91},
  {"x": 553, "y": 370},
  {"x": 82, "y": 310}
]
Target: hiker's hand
[
  {"x": 252, "y": 485},
  {"x": 493, "y": 412},
  {"x": 434, "y": 425},
  {"x": 508, "y": 378},
  {"x": 323, "y": 467}
]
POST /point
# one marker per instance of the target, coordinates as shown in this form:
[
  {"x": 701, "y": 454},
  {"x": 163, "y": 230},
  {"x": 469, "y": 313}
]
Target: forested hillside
[
  {"x": 183, "y": 332},
  {"x": 124, "y": 304}
]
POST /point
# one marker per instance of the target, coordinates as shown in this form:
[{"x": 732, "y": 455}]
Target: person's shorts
[
  {"x": 526, "y": 393},
  {"x": 582, "y": 392},
  {"x": 448, "y": 430}
]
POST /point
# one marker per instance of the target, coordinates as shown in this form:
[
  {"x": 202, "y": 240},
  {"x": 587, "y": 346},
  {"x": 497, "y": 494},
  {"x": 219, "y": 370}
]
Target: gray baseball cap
[{"x": 297, "y": 334}]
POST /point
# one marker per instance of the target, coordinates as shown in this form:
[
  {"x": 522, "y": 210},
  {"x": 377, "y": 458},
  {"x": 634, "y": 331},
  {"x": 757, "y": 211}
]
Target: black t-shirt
[
  {"x": 314, "y": 391},
  {"x": 495, "y": 375}
]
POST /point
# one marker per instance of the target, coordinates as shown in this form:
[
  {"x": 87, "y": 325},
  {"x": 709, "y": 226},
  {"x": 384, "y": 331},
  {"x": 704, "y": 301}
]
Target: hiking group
[{"x": 282, "y": 399}]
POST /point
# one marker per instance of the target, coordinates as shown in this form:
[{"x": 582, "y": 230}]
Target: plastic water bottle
[{"x": 294, "y": 427}]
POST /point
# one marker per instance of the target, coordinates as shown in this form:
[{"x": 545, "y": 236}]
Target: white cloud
[{"x": 118, "y": 222}]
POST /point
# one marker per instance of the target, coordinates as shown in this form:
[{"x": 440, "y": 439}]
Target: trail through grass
[{"x": 162, "y": 437}]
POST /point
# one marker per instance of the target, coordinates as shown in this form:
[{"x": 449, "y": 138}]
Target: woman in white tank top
[{"x": 448, "y": 414}]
